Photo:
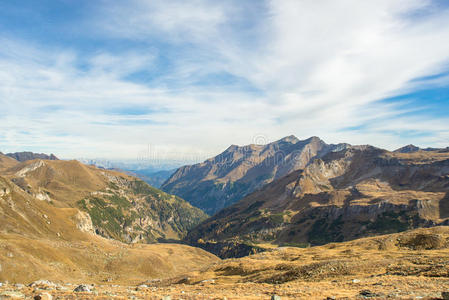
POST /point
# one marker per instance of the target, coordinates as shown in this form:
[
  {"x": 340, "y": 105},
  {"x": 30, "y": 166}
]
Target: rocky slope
[
  {"x": 222, "y": 180},
  {"x": 343, "y": 195},
  {"x": 24, "y": 156}
]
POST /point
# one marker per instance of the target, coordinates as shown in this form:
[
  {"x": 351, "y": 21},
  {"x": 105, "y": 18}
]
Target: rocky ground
[{"x": 393, "y": 287}]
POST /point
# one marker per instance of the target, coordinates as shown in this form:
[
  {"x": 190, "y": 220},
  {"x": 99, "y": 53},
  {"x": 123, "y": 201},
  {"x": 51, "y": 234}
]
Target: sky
[{"x": 186, "y": 79}]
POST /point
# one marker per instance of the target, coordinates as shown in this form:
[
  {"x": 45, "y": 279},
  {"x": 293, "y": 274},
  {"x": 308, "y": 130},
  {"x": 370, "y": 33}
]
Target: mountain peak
[
  {"x": 314, "y": 139},
  {"x": 408, "y": 149},
  {"x": 290, "y": 139}
]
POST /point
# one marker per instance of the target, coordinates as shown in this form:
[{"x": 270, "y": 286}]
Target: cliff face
[
  {"x": 222, "y": 180},
  {"x": 359, "y": 191}
]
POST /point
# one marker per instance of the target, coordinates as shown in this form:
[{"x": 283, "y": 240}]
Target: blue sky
[{"x": 189, "y": 78}]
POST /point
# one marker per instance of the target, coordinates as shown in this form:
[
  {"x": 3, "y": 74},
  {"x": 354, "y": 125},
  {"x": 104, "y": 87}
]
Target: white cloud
[{"x": 302, "y": 67}]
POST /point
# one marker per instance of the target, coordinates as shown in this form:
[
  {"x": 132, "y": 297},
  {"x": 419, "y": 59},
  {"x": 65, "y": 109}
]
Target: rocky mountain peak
[
  {"x": 408, "y": 149},
  {"x": 290, "y": 139}
]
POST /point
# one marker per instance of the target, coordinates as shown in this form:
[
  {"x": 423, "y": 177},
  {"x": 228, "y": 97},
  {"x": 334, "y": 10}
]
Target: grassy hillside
[
  {"x": 44, "y": 232},
  {"x": 121, "y": 207}
]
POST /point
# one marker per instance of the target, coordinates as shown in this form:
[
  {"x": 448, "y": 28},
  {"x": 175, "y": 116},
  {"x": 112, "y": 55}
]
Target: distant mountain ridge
[
  {"x": 226, "y": 178},
  {"x": 26, "y": 155},
  {"x": 412, "y": 148}
]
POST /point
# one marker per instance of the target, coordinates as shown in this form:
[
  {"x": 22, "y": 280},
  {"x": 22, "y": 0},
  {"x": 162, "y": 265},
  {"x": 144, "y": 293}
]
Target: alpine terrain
[
  {"x": 339, "y": 196},
  {"x": 63, "y": 220},
  {"x": 224, "y": 179}
]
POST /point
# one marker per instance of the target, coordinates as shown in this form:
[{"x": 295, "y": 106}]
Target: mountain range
[
  {"x": 228, "y": 177},
  {"x": 67, "y": 221},
  {"x": 342, "y": 195},
  {"x": 26, "y": 155}
]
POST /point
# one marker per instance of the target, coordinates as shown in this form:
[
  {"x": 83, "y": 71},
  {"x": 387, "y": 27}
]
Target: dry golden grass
[
  {"x": 7, "y": 162},
  {"x": 94, "y": 260},
  {"x": 409, "y": 265}
]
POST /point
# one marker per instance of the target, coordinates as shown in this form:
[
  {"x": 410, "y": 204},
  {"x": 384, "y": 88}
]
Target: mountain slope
[
  {"x": 343, "y": 195},
  {"x": 44, "y": 232},
  {"x": 120, "y": 206},
  {"x": 6, "y": 162},
  {"x": 222, "y": 180}
]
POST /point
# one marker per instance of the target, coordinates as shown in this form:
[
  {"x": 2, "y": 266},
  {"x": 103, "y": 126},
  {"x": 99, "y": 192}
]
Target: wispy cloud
[{"x": 200, "y": 75}]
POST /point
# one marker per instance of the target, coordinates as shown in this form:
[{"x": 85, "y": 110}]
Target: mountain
[
  {"x": 120, "y": 206},
  {"x": 356, "y": 192},
  {"x": 224, "y": 179},
  {"x": 24, "y": 156},
  {"x": 408, "y": 149},
  {"x": 412, "y": 148},
  {"x": 55, "y": 217}
]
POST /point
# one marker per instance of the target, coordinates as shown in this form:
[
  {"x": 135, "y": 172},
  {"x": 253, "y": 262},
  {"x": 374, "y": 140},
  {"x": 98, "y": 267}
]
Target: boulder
[{"x": 82, "y": 288}]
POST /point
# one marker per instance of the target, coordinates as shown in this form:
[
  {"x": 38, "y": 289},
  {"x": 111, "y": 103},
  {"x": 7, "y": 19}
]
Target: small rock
[
  {"x": 331, "y": 298},
  {"x": 356, "y": 281},
  {"x": 19, "y": 286},
  {"x": 368, "y": 294},
  {"x": 82, "y": 288},
  {"x": 141, "y": 287},
  {"x": 43, "y": 284},
  {"x": 1, "y": 284},
  {"x": 445, "y": 295},
  {"x": 166, "y": 298},
  {"x": 275, "y": 297},
  {"x": 208, "y": 281},
  {"x": 43, "y": 296}
]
